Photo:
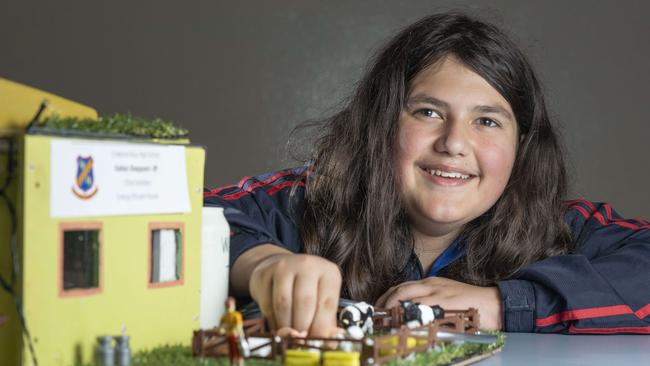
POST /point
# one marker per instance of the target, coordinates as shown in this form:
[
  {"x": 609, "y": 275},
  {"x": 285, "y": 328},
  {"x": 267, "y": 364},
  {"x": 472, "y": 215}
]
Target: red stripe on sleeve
[
  {"x": 640, "y": 330},
  {"x": 575, "y": 204},
  {"x": 624, "y": 223},
  {"x": 584, "y": 202},
  {"x": 282, "y": 185},
  {"x": 234, "y": 196},
  {"x": 216, "y": 191},
  {"x": 582, "y": 211},
  {"x": 249, "y": 189},
  {"x": 243, "y": 181},
  {"x": 643, "y": 312},
  {"x": 584, "y": 314}
]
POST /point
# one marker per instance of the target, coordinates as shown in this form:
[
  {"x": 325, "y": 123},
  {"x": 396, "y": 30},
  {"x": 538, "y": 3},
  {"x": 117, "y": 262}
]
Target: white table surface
[{"x": 559, "y": 349}]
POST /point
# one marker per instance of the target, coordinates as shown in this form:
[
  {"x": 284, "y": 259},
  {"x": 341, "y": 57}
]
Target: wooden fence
[
  {"x": 209, "y": 343},
  {"x": 468, "y": 320},
  {"x": 462, "y": 321},
  {"x": 397, "y": 342}
]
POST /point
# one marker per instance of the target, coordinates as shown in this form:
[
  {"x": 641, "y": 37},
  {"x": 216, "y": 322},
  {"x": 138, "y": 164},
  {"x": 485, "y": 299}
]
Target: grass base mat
[{"x": 443, "y": 354}]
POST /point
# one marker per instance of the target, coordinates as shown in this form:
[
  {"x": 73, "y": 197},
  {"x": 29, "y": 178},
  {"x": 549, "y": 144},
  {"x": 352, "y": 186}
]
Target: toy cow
[
  {"x": 416, "y": 315},
  {"x": 356, "y": 319}
]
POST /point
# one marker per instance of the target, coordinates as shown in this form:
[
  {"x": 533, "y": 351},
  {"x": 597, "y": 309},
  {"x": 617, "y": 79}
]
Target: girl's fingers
[
  {"x": 262, "y": 293},
  {"x": 329, "y": 287},
  {"x": 408, "y": 292},
  {"x": 428, "y": 300},
  {"x": 381, "y": 302},
  {"x": 304, "y": 301},
  {"x": 282, "y": 298}
]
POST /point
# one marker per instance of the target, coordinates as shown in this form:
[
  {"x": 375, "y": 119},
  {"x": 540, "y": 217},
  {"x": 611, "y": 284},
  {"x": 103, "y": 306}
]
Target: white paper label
[{"x": 94, "y": 178}]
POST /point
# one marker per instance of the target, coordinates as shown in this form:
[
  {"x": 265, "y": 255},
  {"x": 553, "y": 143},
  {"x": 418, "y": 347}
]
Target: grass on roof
[{"x": 118, "y": 124}]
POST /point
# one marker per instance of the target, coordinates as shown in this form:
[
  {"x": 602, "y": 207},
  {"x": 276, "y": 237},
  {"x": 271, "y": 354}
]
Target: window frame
[
  {"x": 81, "y": 226},
  {"x": 181, "y": 276}
]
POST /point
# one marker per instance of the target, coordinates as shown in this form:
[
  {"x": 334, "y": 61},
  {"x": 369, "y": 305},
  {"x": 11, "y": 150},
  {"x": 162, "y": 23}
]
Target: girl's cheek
[
  {"x": 405, "y": 146},
  {"x": 498, "y": 159},
  {"x": 412, "y": 140}
]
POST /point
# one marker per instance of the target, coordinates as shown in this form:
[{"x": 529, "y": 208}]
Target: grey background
[{"x": 241, "y": 75}]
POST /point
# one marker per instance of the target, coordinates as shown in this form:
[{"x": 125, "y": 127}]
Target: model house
[{"x": 99, "y": 236}]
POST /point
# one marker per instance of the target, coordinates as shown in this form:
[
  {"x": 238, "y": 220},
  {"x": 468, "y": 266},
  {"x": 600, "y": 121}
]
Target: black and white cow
[
  {"x": 416, "y": 315},
  {"x": 356, "y": 319}
]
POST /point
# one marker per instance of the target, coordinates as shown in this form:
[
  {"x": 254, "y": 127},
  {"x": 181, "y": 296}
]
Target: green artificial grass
[
  {"x": 118, "y": 124},
  {"x": 449, "y": 353},
  {"x": 442, "y": 354},
  {"x": 172, "y": 355}
]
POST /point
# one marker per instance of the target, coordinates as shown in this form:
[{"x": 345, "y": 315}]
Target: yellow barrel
[
  {"x": 340, "y": 358},
  {"x": 394, "y": 341},
  {"x": 298, "y": 357}
]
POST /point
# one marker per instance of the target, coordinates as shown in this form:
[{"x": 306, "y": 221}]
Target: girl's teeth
[{"x": 448, "y": 174}]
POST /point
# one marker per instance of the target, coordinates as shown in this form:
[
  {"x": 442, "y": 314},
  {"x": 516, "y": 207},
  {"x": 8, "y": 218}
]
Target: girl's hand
[
  {"x": 449, "y": 294},
  {"x": 298, "y": 291}
]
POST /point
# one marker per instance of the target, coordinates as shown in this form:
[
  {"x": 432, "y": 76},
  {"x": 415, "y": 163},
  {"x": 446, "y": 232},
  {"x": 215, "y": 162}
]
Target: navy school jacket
[{"x": 603, "y": 287}]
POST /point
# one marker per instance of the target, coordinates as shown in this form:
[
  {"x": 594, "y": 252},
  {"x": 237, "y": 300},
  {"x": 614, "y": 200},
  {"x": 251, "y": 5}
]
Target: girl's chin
[
  {"x": 444, "y": 217},
  {"x": 440, "y": 225}
]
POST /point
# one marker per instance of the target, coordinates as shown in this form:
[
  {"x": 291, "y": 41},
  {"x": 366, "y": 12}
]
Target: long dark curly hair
[{"x": 353, "y": 214}]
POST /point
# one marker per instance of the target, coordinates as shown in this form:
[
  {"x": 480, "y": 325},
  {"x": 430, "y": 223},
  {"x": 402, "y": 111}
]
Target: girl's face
[{"x": 457, "y": 146}]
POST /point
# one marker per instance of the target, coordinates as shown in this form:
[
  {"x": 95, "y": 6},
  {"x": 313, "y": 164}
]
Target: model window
[
  {"x": 166, "y": 255},
  {"x": 80, "y": 259}
]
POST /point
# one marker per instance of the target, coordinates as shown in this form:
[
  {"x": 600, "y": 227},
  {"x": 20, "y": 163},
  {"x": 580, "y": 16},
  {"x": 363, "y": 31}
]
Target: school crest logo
[{"x": 85, "y": 186}]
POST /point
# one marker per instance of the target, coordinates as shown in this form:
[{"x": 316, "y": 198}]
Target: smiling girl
[{"x": 441, "y": 181}]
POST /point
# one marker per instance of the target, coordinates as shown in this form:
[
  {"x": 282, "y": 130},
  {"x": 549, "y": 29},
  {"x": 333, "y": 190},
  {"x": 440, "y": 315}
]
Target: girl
[{"x": 441, "y": 181}]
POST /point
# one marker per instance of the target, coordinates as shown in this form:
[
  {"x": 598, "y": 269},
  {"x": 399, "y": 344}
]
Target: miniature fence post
[
  {"x": 285, "y": 346},
  {"x": 263, "y": 329},
  {"x": 375, "y": 352},
  {"x": 476, "y": 321},
  {"x": 273, "y": 347},
  {"x": 395, "y": 317},
  {"x": 276, "y": 347},
  {"x": 368, "y": 352},
  {"x": 461, "y": 324},
  {"x": 197, "y": 343},
  {"x": 403, "y": 335},
  {"x": 433, "y": 329}
]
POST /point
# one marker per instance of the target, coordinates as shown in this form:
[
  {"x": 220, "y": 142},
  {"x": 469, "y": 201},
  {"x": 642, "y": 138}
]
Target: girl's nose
[{"x": 453, "y": 139}]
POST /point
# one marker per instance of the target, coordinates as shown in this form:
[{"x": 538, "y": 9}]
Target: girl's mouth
[
  {"x": 444, "y": 174},
  {"x": 447, "y": 177}
]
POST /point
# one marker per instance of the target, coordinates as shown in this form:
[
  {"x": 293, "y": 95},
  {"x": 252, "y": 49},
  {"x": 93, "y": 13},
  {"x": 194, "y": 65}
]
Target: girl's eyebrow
[
  {"x": 493, "y": 109},
  {"x": 419, "y": 98},
  {"x": 496, "y": 109}
]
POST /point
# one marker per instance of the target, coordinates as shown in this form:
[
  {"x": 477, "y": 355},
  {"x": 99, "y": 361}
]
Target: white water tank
[{"x": 215, "y": 254}]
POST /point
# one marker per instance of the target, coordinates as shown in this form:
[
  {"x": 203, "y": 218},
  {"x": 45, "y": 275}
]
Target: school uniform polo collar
[{"x": 447, "y": 257}]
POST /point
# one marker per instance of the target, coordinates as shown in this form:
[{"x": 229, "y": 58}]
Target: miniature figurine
[
  {"x": 232, "y": 324},
  {"x": 356, "y": 319},
  {"x": 416, "y": 315}
]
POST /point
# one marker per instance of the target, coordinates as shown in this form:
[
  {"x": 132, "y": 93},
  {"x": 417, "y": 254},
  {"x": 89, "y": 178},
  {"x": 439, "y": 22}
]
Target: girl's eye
[
  {"x": 428, "y": 113},
  {"x": 487, "y": 122}
]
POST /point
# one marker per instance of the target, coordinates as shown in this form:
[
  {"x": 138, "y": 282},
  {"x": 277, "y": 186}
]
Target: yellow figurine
[{"x": 232, "y": 324}]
